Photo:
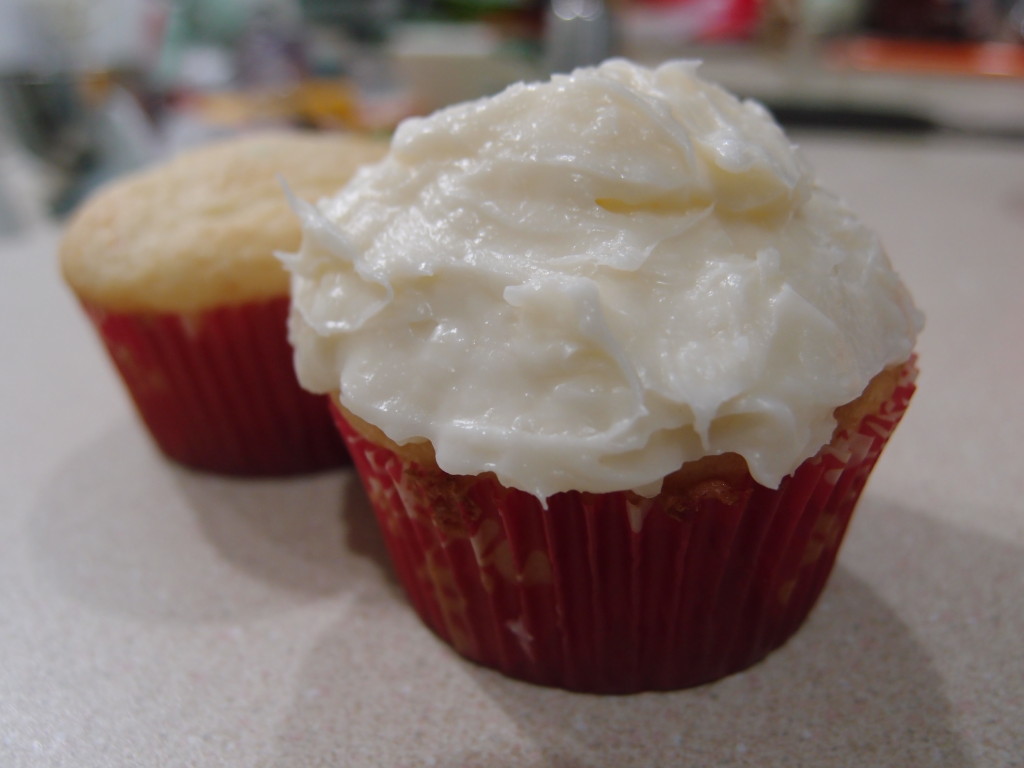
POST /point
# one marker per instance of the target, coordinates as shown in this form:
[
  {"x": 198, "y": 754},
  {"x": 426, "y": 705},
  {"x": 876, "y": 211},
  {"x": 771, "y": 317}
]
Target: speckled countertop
[{"x": 150, "y": 616}]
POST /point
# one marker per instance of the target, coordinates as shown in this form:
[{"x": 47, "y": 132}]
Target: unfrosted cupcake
[
  {"x": 175, "y": 268},
  {"x": 614, "y": 371}
]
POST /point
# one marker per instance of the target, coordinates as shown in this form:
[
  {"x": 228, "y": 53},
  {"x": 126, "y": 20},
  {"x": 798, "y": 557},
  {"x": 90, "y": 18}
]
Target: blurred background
[{"x": 90, "y": 89}]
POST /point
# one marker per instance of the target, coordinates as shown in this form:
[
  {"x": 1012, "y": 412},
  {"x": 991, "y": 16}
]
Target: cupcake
[
  {"x": 614, "y": 371},
  {"x": 175, "y": 268}
]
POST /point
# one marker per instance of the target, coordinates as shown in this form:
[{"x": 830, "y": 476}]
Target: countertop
[{"x": 153, "y": 616}]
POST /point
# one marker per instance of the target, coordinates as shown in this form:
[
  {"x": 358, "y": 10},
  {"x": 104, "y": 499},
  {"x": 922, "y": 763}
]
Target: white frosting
[{"x": 583, "y": 284}]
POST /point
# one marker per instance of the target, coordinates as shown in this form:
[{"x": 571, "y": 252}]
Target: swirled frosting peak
[{"x": 584, "y": 283}]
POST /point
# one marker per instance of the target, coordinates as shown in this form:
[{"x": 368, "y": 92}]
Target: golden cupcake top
[{"x": 201, "y": 230}]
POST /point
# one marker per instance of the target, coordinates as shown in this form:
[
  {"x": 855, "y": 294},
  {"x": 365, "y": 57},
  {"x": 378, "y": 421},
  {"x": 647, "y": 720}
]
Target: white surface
[
  {"x": 150, "y": 616},
  {"x": 803, "y": 76}
]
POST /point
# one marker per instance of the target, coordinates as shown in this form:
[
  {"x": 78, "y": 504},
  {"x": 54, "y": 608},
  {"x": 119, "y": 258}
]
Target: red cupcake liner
[
  {"x": 217, "y": 389},
  {"x": 613, "y": 593}
]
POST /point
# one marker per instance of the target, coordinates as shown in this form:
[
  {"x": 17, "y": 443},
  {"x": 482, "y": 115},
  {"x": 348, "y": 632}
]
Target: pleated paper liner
[
  {"x": 217, "y": 389},
  {"x": 613, "y": 593}
]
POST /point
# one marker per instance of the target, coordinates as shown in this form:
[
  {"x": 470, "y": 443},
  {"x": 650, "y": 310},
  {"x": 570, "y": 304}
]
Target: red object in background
[
  {"x": 931, "y": 57},
  {"x": 713, "y": 19}
]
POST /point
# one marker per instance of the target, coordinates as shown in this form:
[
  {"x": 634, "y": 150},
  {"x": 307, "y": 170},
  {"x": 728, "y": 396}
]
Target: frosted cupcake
[
  {"x": 614, "y": 371},
  {"x": 175, "y": 268}
]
